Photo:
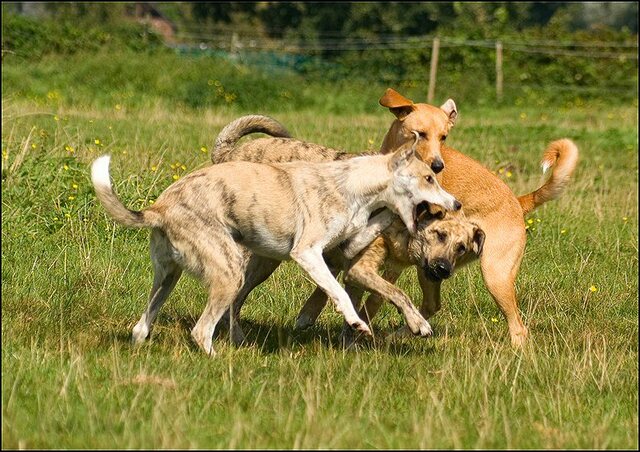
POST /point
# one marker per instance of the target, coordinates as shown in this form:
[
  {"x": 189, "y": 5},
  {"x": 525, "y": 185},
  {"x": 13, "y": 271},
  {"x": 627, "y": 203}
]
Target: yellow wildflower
[
  {"x": 563, "y": 231},
  {"x": 74, "y": 186},
  {"x": 203, "y": 148},
  {"x": 154, "y": 168},
  {"x": 593, "y": 289},
  {"x": 494, "y": 319},
  {"x": 530, "y": 221},
  {"x": 96, "y": 141},
  {"x": 509, "y": 174},
  {"x": 176, "y": 177}
]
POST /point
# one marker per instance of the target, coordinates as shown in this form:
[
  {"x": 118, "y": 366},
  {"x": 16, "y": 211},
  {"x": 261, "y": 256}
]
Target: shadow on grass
[{"x": 274, "y": 338}]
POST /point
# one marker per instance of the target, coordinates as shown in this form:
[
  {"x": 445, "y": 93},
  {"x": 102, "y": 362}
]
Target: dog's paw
[
  {"x": 139, "y": 334},
  {"x": 205, "y": 342},
  {"x": 424, "y": 330},
  {"x": 304, "y": 321},
  {"x": 361, "y": 327},
  {"x": 418, "y": 325}
]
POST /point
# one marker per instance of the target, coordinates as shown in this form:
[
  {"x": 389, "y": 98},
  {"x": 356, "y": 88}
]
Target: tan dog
[
  {"x": 438, "y": 247},
  {"x": 212, "y": 222},
  {"x": 487, "y": 200}
]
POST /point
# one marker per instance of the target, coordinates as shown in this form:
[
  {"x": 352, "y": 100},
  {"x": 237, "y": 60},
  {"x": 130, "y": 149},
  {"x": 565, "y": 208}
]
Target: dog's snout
[
  {"x": 437, "y": 165},
  {"x": 457, "y": 205},
  {"x": 442, "y": 268}
]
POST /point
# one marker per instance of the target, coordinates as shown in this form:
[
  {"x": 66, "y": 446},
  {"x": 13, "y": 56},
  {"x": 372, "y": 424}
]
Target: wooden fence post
[
  {"x": 499, "y": 69},
  {"x": 433, "y": 70}
]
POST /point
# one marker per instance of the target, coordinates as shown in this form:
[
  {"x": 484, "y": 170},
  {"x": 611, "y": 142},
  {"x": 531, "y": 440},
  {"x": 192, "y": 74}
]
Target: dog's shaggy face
[{"x": 440, "y": 245}]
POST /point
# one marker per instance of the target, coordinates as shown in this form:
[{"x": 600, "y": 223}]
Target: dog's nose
[
  {"x": 457, "y": 205},
  {"x": 442, "y": 268},
  {"x": 437, "y": 166}
]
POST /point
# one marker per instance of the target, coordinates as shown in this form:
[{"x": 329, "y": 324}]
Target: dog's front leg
[
  {"x": 430, "y": 294},
  {"x": 366, "y": 275},
  {"x": 311, "y": 261},
  {"x": 364, "y": 237}
]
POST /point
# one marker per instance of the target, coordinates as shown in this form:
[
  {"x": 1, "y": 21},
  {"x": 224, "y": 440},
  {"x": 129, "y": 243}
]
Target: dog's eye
[
  {"x": 443, "y": 137},
  {"x": 461, "y": 249},
  {"x": 442, "y": 236},
  {"x": 423, "y": 135},
  {"x": 429, "y": 179}
]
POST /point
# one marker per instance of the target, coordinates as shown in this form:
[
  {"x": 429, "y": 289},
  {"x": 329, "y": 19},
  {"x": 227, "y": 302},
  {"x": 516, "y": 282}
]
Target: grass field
[{"x": 74, "y": 284}]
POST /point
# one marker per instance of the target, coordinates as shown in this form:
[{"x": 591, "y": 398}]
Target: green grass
[{"x": 74, "y": 284}]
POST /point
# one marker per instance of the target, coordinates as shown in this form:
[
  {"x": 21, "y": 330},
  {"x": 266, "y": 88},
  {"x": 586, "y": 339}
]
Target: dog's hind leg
[
  {"x": 312, "y": 262},
  {"x": 311, "y": 309},
  {"x": 500, "y": 263},
  {"x": 224, "y": 264},
  {"x": 166, "y": 275},
  {"x": 258, "y": 270}
]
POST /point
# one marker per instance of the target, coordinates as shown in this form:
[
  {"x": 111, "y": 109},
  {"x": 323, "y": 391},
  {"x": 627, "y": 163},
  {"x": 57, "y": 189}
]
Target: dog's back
[{"x": 279, "y": 147}]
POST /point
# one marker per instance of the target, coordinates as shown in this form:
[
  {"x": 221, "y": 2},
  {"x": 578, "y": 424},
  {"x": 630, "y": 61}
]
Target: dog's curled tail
[
  {"x": 240, "y": 127},
  {"x": 562, "y": 155},
  {"x": 102, "y": 184}
]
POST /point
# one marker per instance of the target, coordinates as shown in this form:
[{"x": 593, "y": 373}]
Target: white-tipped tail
[
  {"x": 545, "y": 166},
  {"x": 100, "y": 172},
  {"x": 113, "y": 206},
  {"x": 562, "y": 156}
]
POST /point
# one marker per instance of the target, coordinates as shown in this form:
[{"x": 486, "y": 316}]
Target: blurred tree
[
  {"x": 217, "y": 12},
  {"x": 280, "y": 17}
]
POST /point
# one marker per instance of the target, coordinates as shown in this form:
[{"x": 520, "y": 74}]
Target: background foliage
[
  {"x": 553, "y": 51},
  {"x": 83, "y": 79}
]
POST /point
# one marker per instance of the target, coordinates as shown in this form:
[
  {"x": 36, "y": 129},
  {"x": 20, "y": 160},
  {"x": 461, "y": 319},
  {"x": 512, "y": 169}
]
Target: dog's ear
[
  {"x": 478, "y": 240},
  {"x": 427, "y": 212},
  {"x": 397, "y": 103},
  {"x": 449, "y": 108},
  {"x": 401, "y": 157}
]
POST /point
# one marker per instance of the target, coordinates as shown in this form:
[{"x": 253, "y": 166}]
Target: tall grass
[{"x": 74, "y": 284}]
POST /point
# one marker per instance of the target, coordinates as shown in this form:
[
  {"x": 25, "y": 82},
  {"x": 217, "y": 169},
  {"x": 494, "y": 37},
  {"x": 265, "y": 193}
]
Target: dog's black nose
[
  {"x": 442, "y": 268},
  {"x": 457, "y": 205},
  {"x": 437, "y": 166}
]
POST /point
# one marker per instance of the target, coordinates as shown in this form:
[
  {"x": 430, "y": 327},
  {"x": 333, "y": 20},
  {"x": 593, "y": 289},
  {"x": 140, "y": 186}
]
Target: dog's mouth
[{"x": 419, "y": 210}]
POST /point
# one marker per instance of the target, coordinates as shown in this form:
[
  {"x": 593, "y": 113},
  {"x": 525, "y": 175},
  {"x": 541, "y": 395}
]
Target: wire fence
[{"x": 294, "y": 54}]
